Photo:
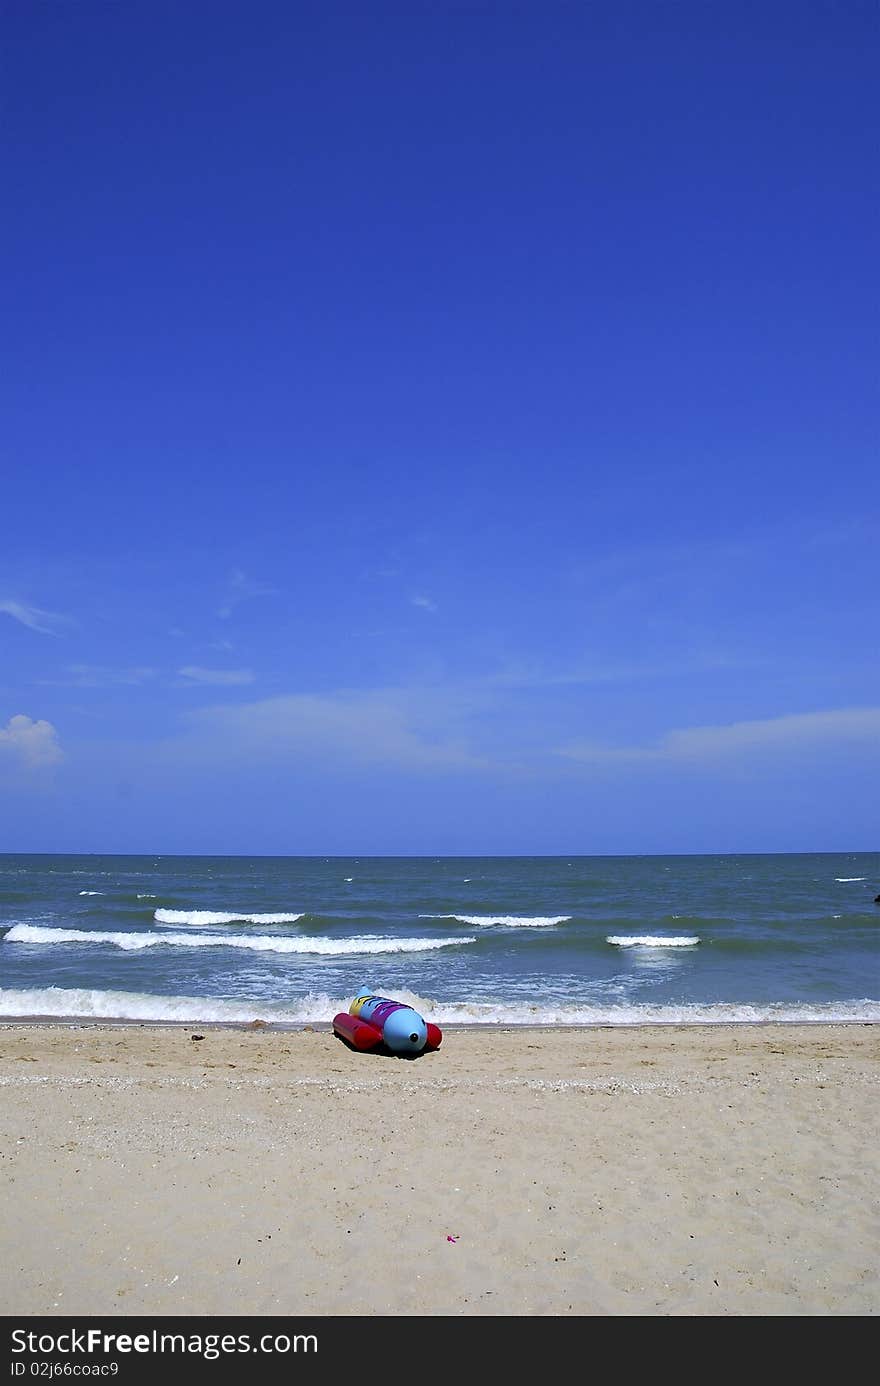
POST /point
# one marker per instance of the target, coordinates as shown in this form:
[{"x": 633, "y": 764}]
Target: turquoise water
[{"x": 551, "y": 940}]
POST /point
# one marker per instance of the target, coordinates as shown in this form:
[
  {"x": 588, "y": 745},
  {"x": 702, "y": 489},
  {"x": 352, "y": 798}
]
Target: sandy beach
[{"x": 724, "y": 1170}]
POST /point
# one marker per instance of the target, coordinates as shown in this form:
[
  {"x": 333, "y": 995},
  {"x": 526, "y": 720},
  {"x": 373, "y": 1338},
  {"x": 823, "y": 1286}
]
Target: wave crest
[
  {"x": 61, "y": 1002},
  {"x": 132, "y": 942},
  {"x": 509, "y": 921},
  {"x": 651, "y": 941},
  {"x": 202, "y": 917}
]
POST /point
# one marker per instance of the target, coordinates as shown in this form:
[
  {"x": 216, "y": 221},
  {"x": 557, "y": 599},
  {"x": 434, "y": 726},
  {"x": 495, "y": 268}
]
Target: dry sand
[{"x": 649, "y": 1171}]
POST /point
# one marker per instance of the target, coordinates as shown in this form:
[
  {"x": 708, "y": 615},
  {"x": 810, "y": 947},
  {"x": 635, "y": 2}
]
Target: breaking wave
[
  {"x": 651, "y": 941},
  {"x": 201, "y": 917},
  {"x": 510, "y": 921},
  {"x": 132, "y": 942},
  {"x": 317, "y": 1008}
]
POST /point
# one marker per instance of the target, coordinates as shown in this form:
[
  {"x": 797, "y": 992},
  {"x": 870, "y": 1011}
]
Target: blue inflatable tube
[{"x": 403, "y": 1030}]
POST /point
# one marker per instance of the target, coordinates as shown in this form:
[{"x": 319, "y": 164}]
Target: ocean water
[{"x": 509, "y": 940}]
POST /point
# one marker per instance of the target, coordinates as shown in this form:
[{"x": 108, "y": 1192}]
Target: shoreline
[
  {"x": 479, "y": 1027},
  {"x": 724, "y": 1169}
]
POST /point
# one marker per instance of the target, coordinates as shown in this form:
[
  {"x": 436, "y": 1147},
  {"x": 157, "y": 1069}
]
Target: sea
[{"x": 551, "y": 940}]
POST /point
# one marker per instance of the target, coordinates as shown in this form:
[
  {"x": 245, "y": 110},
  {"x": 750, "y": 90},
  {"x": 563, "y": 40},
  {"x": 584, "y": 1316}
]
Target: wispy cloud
[
  {"x": 241, "y": 588},
  {"x": 609, "y": 671},
  {"x": 393, "y": 728},
  {"x": 100, "y": 676},
  {"x": 226, "y": 678},
  {"x": 45, "y": 622},
  {"x": 694, "y": 745},
  {"x": 31, "y": 744},
  {"x": 424, "y": 602}
]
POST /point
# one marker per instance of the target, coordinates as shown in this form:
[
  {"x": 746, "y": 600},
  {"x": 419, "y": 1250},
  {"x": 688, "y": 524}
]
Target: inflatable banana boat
[{"x": 371, "y": 1021}]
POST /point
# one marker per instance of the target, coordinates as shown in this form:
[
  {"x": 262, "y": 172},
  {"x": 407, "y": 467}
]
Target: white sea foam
[
  {"x": 850, "y": 878},
  {"x": 257, "y": 943},
  {"x": 319, "y": 1008},
  {"x": 202, "y": 917},
  {"x": 146, "y": 897},
  {"x": 651, "y": 941},
  {"x": 91, "y": 892},
  {"x": 510, "y": 921},
  {"x": 562, "y": 1013},
  {"x": 127, "y": 1005}
]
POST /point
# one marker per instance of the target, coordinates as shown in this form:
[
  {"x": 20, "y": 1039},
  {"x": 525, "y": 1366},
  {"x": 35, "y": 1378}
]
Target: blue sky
[{"x": 440, "y": 428}]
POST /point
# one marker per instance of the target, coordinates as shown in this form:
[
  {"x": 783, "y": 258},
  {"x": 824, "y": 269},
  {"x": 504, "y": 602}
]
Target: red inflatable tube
[
  {"x": 361, "y": 1035},
  {"x": 358, "y": 1033}
]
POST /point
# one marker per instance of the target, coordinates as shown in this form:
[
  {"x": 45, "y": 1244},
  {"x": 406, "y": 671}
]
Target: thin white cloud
[
  {"x": 390, "y": 727},
  {"x": 29, "y": 743},
  {"x": 226, "y": 678},
  {"x": 45, "y": 622},
  {"x": 424, "y": 602},
  {"x": 602, "y": 671},
  {"x": 101, "y": 676},
  {"x": 241, "y": 588},
  {"x": 694, "y": 745}
]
